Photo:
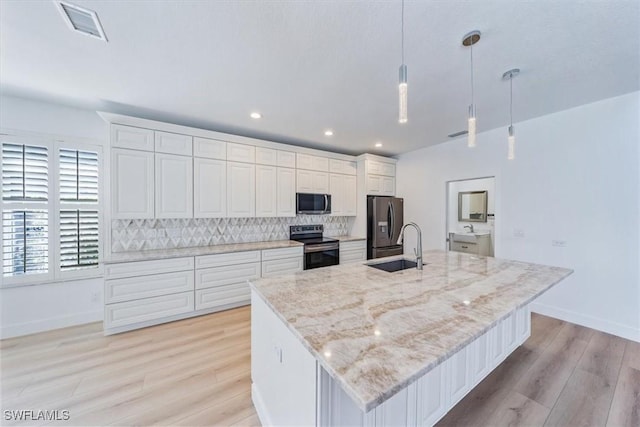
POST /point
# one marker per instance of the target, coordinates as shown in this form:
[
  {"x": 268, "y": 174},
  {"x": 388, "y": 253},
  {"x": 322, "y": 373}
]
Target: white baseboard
[
  {"x": 261, "y": 410},
  {"x": 43, "y": 325},
  {"x": 603, "y": 325}
]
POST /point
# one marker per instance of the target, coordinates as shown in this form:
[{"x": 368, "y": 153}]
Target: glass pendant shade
[
  {"x": 511, "y": 141},
  {"x": 402, "y": 89},
  {"x": 471, "y": 136}
]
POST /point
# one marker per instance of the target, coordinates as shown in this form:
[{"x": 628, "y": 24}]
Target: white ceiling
[{"x": 312, "y": 65}]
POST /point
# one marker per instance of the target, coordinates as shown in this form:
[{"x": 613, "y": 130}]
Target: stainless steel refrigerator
[{"x": 384, "y": 223}]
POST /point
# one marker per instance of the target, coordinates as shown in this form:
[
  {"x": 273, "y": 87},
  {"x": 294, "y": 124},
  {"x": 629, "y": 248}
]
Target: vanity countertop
[
  {"x": 376, "y": 332},
  {"x": 198, "y": 250}
]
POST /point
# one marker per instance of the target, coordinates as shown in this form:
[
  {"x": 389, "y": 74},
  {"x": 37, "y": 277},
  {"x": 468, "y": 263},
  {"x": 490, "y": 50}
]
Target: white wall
[
  {"x": 576, "y": 179},
  {"x": 30, "y": 309}
]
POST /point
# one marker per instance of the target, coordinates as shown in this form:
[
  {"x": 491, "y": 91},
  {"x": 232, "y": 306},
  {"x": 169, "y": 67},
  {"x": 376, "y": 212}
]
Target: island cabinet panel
[
  {"x": 479, "y": 355},
  {"x": 432, "y": 396},
  {"x": 398, "y": 411},
  {"x": 336, "y": 408},
  {"x": 282, "y": 370},
  {"x": 459, "y": 376}
]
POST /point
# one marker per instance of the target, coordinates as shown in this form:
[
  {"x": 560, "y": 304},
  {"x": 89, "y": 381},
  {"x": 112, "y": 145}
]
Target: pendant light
[
  {"x": 511, "y": 139},
  {"x": 469, "y": 40},
  {"x": 402, "y": 86}
]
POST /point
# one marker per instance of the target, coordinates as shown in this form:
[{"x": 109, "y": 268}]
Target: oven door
[{"x": 324, "y": 255}]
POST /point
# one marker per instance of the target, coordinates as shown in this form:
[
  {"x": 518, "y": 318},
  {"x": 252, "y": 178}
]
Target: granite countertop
[
  {"x": 349, "y": 238},
  {"x": 199, "y": 250},
  {"x": 376, "y": 332}
]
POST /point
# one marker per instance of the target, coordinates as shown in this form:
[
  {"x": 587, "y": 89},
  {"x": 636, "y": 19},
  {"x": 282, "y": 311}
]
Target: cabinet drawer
[
  {"x": 266, "y": 156},
  {"x": 353, "y": 245},
  {"x": 173, "y": 143},
  {"x": 209, "y": 148},
  {"x": 145, "y": 268},
  {"x": 354, "y": 255},
  {"x": 143, "y": 310},
  {"x": 470, "y": 248},
  {"x": 236, "y": 294},
  {"x": 269, "y": 254},
  {"x": 131, "y": 137},
  {"x": 241, "y": 153},
  {"x": 233, "y": 258},
  {"x": 132, "y": 288},
  {"x": 286, "y": 159},
  {"x": 276, "y": 267},
  {"x": 220, "y": 276}
]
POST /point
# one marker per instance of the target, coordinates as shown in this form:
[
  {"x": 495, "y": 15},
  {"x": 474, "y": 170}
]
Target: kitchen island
[{"x": 354, "y": 345}]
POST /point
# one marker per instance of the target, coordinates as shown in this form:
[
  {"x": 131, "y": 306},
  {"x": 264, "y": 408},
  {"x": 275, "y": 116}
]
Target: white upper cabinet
[
  {"x": 241, "y": 190},
  {"x": 173, "y": 143},
  {"x": 131, "y": 137},
  {"x": 342, "y": 166},
  {"x": 286, "y": 159},
  {"x": 310, "y": 162},
  {"x": 286, "y": 192},
  {"x": 210, "y": 188},
  {"x": 381, "y": 168},
  {"x": 343, "y": 195},
  {"x": 266, "y": 191},
  {"x": 131, "y": 184},
  {"x": 209, "y": 148},
  {"x": 312, "y": 181},
  {"x": 174, "y": 186},
  {"x": 241, "y": 153},
  {"x": 379, "y": 185},
  {"x": 266, "y": 156}
]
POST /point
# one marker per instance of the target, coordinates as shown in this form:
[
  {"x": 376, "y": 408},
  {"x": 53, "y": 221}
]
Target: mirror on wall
[{"x": 472, "y": 206}]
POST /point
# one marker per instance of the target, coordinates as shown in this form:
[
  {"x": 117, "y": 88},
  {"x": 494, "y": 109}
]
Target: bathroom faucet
[
  {"x": 418, "y": 250},
  {"x": 470, "y": 227}
]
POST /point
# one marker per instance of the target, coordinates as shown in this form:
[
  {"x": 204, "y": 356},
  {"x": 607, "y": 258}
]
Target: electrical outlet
[
  {"x": 518, "y": 232},
  {"x": 95, "y": 297},
  {"x": 559, "y": 243}
]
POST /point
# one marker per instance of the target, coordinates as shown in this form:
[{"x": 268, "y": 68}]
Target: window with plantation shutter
[
  {"x": 24, "y": 172},
  {"x": 25, "y": 203},
  {"x": 78, "y": 239},
  {"x": 78, "y": 219},
  {"x": 50, "y": 209}
]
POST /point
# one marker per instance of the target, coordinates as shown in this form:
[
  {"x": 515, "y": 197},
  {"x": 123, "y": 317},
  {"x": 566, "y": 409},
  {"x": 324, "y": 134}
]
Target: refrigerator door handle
[
  {"x": 389, "y": 220},
  {"x": 392, "y": 224}
]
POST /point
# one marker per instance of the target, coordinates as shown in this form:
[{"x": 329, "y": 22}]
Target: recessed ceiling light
[
  {"x": 328, "y": 132},
  {"x": 256, "y": 115},
  {"x": 378, "y": 144},
  {"x": 82, "y": 20}
]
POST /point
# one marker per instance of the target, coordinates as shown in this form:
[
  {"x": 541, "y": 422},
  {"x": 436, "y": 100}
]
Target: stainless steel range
[{"x": 319, "y": 251}]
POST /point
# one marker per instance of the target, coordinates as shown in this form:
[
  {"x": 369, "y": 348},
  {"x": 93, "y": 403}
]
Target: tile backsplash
[{"x": 147, "y": 234}]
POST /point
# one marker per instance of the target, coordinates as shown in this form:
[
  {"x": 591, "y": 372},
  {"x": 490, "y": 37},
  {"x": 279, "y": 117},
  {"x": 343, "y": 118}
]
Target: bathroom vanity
[{"x": 478, "y": 243}]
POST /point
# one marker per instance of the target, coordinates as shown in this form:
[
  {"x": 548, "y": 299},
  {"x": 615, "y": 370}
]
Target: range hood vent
[{"x": 82, "y": 20}]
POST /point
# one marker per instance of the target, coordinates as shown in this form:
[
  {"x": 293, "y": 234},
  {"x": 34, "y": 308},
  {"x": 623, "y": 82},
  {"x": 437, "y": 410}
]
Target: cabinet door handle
[{"x": 465, "y": 247}]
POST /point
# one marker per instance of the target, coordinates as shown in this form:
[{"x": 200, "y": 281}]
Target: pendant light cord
[
  {"x": 402, "y": 31},
  {"x": 511, "y": 99},
  {"x": 471, "y": 70}
]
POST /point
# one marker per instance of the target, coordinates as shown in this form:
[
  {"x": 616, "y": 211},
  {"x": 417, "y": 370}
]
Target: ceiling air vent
[
  {"x": 82, "y": 20},
  {"x": 457, "y": 134}
]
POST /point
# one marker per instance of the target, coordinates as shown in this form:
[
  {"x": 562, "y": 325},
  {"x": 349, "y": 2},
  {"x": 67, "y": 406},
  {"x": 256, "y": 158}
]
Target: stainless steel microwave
[{"x": 313, "y": 204}]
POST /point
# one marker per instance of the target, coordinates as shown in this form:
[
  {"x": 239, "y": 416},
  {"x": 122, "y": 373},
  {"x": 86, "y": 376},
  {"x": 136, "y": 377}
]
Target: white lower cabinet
[
  {"x": 223, "y": 297},
  {"x": 353, "y": 251},
  {"x": 147, "y": 309},
  {"x": 132, "y": 288},
  {"x": 281, "y": 261}
]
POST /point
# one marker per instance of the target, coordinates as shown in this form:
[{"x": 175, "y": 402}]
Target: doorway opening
[{"x": 470, "y": 225}]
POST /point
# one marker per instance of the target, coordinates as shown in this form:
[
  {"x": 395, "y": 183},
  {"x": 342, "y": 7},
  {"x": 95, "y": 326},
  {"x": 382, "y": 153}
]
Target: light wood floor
[{"x": 197, "y": 372}]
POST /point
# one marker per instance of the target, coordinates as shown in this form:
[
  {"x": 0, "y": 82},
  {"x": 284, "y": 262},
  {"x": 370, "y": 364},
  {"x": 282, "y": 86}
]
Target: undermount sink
[{"x": 391, "y": 266}]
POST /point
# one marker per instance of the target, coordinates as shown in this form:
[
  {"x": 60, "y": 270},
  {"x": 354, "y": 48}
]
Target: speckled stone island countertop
[
  {"x": 376, "y": 332},
  {"x": 198, "y": 250}
]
